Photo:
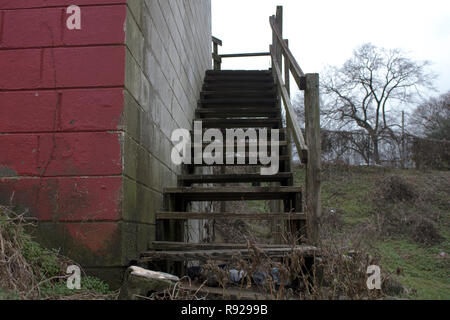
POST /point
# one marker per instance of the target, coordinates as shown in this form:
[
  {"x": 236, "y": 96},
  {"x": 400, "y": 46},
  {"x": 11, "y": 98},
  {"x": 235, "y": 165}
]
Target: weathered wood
[
  {"x": 235, "y": 164},
  {"x": 313, "y": 168},
  {"x": 240, "y": 123},
  {"x": 239, "y": 72},
  {"x": 246, "y": 144},
  {"x": 234, "y": 178},
  {"x": 245, "y": 55},
  {"x": 183, "y": 246},
  {"x": 225, "y": 255},
  {"x": 237, "y": 112},
  {"x": 217, "y": 41},
  {"x": 239, "y": 101},
  {"x": 233, "y": 193},
  {"x": 217, "y": 59},
  {"x": 297, "y": 72},
  {"x": 228, "y": 216},
  {"x": 224, "y": 85},
  {"x": 239, "y": 79},
  {"x": 238, "y": 94},
  {"x": 291, "y": 116}
]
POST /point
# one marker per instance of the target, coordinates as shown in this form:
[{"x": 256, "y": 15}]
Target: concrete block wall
[{"x": 86, "y": 117}]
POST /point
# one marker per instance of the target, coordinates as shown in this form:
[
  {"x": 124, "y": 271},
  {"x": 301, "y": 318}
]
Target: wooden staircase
[
  {"x": 230, "y": 100},
  {"x": 248, "y": 100}
]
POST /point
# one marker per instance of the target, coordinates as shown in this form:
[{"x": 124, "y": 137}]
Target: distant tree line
[{"x": 362, "y": 116}]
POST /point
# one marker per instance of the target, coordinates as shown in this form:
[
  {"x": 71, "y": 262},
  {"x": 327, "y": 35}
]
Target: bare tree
[
  {"x": 431, "y": 119},
  {"x": 364, "y": 92}
]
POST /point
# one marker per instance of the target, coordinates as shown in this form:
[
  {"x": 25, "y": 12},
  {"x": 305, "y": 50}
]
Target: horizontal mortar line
[
  {"x": 55, "y": 132},
  {"x": 90, "y": 221},
  {"x": 61, "y": 176},
  {"x": 44, "y": 222},
  {"x": 139, "y": 143},
  {"x": 61, "y": 88},
  {"x": 71, "y": 46},
  {"x": 66, "y": 6},
  {"x": 141, "y": 68},
  {"x": 143, "y": 185}
]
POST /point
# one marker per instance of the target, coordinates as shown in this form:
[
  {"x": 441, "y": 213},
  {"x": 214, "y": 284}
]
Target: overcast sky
[{"x": 325, "y": 32}]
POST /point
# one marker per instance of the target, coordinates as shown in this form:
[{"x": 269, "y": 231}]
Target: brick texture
[{"x": 86, "y": 117}]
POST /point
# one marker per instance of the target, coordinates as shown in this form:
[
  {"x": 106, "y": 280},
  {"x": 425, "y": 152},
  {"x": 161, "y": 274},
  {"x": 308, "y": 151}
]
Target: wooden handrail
[
  {"x": 297, "y": 72},
  {"x": 217, "y": 41},
  {"x": 291, "y": 116},
  {"x": 309, "y": 151}
]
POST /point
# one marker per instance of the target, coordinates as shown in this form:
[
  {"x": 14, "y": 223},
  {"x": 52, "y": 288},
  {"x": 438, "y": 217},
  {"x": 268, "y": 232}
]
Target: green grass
[
  {"x": 351, "y": 191},
  {"x": 47, "y": 267},
  {"x": 423, "y": 271}
]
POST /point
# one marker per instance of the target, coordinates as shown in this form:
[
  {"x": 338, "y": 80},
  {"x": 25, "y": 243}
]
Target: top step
[{"x": 238, "y": 72}]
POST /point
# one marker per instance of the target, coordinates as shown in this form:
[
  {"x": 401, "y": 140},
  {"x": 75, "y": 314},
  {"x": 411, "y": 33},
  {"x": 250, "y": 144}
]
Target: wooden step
[
  {"x": 183, "y": 246},
  {"x": 245, "y": 144},
  {"x": 282, "y": 158},
  {"x": 229, "y": 216},
  {"x": 239, "y": 78},
  {"x": 234, "y": 86},
  {"x": 233, "y": 193},
  {"x": 238, "y": 94},
  {"x": 234, "y": 178},
  {"x": 238, "y": 112},
  {"x": 241, "y": 123},
  {"x": 282, "y": 132},
  {"x": 238, "y": 72},
  {"x": 239, "y": 101},
  {"x": 224, "y": 255}
]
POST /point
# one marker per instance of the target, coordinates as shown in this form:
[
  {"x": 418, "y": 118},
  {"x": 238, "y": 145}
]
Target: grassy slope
[{"x": 351, "y": 192}]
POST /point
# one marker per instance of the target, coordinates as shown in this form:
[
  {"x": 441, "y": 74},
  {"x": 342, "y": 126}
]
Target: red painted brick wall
[{"x": 61, "y": 132}]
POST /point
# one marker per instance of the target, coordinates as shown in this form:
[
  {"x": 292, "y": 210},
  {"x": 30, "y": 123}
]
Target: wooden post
[
  {"x": 403, "y": 149},
  {"x": 217, "y": 65},
  {"x": 279, "y": 22},
  {"x": 287, "y": 84},
  {"x": 313, "y": 167}
]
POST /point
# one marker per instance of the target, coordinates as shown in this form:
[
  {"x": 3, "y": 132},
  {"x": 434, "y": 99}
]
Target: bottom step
[{"x": 223, "y": 255}]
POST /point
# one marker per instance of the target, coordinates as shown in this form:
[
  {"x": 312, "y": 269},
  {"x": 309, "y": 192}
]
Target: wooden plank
[
  {"x": 233, "y": 193},
  {"x": 313, "y": 168},
  {"x": 246, "y": 144},
  {"x": 217, "y": 41},
  {"x": 238, "y": 72},
  {"x": 224, "y": 255},
  {"x": 239, "y": 93},
  {"x": 223, "y": 130},
  {"x": 238, "y": 79},
  {"x": 229, "y": 216},
  {"x": 291, "y": 116},
  {"x": 244, "y": 101},
  {"x": 297, "y": 72},
  {"x": 224, "y": 85},
  {"x": 237, "y": 112},
  {"x": 246, "y": 164},
  {"x": 245, "y": 55},
  {"x": 235, "y": 178},
  {"x": 240, "y": 123},
  {"x": 183, "y": 246}
]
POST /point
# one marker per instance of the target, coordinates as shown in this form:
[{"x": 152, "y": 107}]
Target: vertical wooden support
[
  {"x": 275, "y": 206},
  {"x": 217, "y": 65},
  {"x": 287, "y": 84},
  {"x": 313, "y": 167},
  {"x": 279, "y": 23}
]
